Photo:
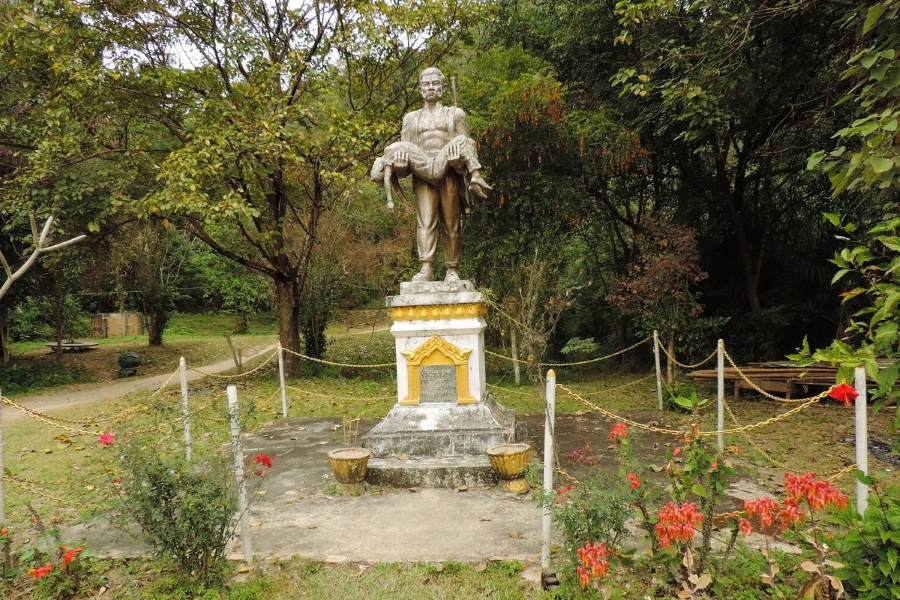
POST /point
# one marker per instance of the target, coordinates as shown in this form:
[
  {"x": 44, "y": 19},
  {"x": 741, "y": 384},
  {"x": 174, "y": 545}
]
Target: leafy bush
[
  {"x": 185, "y": 511},
  {"x": 869, "y": 549},
  {"x": 595, "y": 511},
  {"x": 19, "y": 378},
  {"x": 32, "y": 319},
  {"x": 580, "y": 348}
]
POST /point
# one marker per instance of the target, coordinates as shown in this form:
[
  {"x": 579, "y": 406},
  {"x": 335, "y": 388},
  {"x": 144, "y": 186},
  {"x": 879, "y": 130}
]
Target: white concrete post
[
  {"x": 238, "y": 452},
  {"x": 2, "y": 471},
  {"x": 549, "y": 425},
  {"x": 659, "y": 397},
  {"x": 862, "y": 440},
  {"x": 720, "y": 394},
  {"x": 185, "y": 411},
  {"x": 514, "y": 346},
  {"x": 284, "y": 406}
]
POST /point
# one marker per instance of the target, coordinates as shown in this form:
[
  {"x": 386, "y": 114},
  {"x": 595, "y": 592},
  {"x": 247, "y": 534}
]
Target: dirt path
[
  {"x": 87, "y": 393},
  {"x": 79, "y": 394}
]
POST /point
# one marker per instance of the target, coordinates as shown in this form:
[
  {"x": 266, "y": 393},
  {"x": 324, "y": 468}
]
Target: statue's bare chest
[{"x": 432, "y": 122}]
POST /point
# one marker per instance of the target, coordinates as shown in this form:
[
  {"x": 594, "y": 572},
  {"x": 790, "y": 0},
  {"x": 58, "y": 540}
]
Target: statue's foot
[
  {"x": 426, "y": 273},
  {"x": 479, "y": 186},
  {"x": 452, "y": 276}
]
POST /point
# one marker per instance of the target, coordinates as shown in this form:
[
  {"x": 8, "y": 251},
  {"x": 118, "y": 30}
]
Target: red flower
[
  {"x": 562, "y": 492},
  {"x": 676, "y": 523},
  {"x": 40, "y": 572},
  {"x": 263, "y": 459},
  {"x": 745, "y": 527},
  {"x": 634, "y": 480},
  {"x": 676, "y": 451},
  {"x": 844, "y": 393},
  {"x": 107, "y": 438},
  {"x": 771, "y": 517},
  {"x": 618, "y": 432},
  {"x": 817, "y": 494},
  {"x": 69, "y": 555},
  {"x": 593, "y": 562}
]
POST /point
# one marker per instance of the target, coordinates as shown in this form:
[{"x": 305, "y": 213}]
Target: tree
[
  {"x": 658, "y": 287},
  {"x": 275, "y": 109}
]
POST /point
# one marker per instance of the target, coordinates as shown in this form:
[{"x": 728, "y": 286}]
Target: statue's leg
[
  {"x": 427, "y": 201},
  {"x": 451, "y": 223}
]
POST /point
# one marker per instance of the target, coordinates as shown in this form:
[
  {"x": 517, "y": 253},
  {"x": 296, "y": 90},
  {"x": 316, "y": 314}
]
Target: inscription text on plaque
[{"x": 437, "y": 383}]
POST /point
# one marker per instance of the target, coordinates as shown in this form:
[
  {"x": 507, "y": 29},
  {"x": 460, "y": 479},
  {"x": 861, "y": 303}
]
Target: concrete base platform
[
  {"x": 432, "y": 472},
  {"x": 441, "y": 429}
]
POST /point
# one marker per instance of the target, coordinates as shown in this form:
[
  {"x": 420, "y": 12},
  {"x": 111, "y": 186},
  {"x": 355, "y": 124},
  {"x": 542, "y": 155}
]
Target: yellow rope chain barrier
[
  {"x": 340, "y": 364},
  {"x": 684, "y": 366},
  {"x": 239, "y": 375},
  {"x": 769, "y": 421},
  {"x": 35, "y": 489},
  {"x": 337, "y": 397},
  {"x": 47, "y": 420},
  {"x": 575, "y": 363},
  {"x": 763, "y": 392}
]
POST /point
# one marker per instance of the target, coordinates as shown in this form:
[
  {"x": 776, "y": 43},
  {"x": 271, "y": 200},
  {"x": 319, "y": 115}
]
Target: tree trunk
[
  {"x": 288, "y": 299},
  {"x": 241, "y": 323},
  {"x": 5, "y": 342},
  {"x": 58, "y": 324},
  {"x": 670, "y": 366}
]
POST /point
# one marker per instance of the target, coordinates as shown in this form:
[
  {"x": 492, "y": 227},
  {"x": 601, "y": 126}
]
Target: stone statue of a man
[{"x": 435, "y": 148}]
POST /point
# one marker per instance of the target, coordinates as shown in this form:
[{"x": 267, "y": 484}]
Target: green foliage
[
  {"x": 19, "y": 378},
  {"x": 867, "y": 155},
  {"x": 578, "y": 349},
  {"x": 690, "y": 402},
  {"x": 32, "y": 319},
  {"x": 871, "y": 262},
  {"x": 870, "y": 548},
  {"x": 184, "y": 510},
  {"x": 594, "y": 511},
  {"x": 738, "y": 577}
]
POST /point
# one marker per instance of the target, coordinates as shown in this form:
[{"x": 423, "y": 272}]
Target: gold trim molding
[
  {"x": 438, "y": 311},
  {"x": 437, "y": 351}
]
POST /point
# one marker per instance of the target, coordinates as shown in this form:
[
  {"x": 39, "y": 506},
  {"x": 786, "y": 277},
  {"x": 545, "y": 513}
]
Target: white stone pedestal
[{"x": 443, "y": 407}]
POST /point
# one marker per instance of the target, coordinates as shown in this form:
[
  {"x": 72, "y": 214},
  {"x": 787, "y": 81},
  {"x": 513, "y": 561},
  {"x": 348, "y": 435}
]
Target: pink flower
[
  {"x": 676, "y": 451},
  {"x": 107, "y": 438},
  {"x": 844, "y": 393},
  {"x": 745, "y": 527}
]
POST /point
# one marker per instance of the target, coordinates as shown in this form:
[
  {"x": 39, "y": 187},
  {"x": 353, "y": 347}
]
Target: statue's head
[{"x": 431, "y": 84}]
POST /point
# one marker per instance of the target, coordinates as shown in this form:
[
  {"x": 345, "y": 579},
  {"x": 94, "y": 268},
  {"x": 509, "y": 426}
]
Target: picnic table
[
  {"x": 776, "y": 377},
  {"x": 74, "y": 345}
]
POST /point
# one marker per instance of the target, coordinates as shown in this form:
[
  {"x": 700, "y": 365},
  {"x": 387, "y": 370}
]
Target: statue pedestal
[{"x": 443, "y": 409}]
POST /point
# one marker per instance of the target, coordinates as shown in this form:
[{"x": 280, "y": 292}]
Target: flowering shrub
[
  {"x": 817, "y": 494},
  {"x": 185, "y": 511}
]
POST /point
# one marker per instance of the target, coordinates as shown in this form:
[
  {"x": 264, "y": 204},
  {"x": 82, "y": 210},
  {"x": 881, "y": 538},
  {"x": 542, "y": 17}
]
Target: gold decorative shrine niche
[{"x": 435, "y": 353}]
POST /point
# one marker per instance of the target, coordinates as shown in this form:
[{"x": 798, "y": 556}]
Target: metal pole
[
  {"x": 659, "y": 397},
  {"x": 284, "y": 406},
  {"x": 549, "y": 424},
  {"x": 862, "y": 440},
  {"x": 2, "y": 469},
  {"x": 720, "y": 394},
  {"x": 185, "y": 411},
  {"x": 238, "y": 452}
]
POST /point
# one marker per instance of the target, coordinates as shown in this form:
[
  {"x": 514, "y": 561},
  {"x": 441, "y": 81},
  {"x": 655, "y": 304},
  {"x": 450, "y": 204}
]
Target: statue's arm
[
  {"x": 407, "y": 131},
  {"x": 461, "y": 122}
]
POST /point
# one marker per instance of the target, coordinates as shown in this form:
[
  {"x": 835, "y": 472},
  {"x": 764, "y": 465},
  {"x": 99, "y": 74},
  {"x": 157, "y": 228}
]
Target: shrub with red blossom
[
  {"x": 677, "y": 523},
  {"x": 817, "y": 493},
  {"x": 593, "y": 563},
  {"x": 619, "y": 433}
]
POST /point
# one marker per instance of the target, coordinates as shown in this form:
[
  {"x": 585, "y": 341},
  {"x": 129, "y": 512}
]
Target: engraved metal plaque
[{"x": 437, "y": 383}]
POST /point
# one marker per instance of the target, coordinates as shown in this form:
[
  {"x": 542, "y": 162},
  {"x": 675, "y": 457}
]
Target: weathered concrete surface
[
  {"x": 429, "y": 525},
  {"x": 432, "y": 472}
]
